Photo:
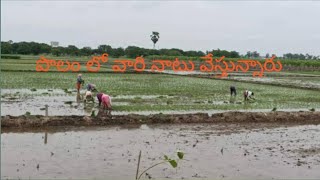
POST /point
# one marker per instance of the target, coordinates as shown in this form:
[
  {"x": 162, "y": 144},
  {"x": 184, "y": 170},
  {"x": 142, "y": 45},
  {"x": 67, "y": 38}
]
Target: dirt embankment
[{"x": 101, "y": 119}]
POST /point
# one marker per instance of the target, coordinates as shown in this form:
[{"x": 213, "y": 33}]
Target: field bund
[{"x": 101, "y": 119}]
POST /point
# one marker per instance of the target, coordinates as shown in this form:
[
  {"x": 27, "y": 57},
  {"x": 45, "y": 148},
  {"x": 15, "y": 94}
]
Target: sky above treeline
[{"x": 275, "y": 27}]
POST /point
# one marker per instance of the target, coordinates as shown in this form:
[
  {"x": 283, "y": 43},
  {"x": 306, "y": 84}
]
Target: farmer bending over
[
  {"x": 91, "y": 87},
  {"x": 106, "y": 101},
  {"x": 248, "y": 95},
  {"x": 99, "y": 97},
  {"x": 88, "y": 96}
]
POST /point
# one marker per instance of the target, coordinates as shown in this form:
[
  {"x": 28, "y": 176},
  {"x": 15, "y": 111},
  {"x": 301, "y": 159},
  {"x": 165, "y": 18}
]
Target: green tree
[
  {"x": 133, "y": 51},
  {"x": 23, "y": 48},
  {"x": 72, "y": 50},
  {"x": 118, "y": 52},
  {"x": 58, "y": 51},
  {"x": 249, "y": 54},
  {"x": 6, "y": 48},
  {"x": 105, "y": 49},
  {"x": 255, "y": 54},
  {"x": 173, "y": 52},
  {"x": 234, "y": 54},
  {"x": 45, "y": 48},
  {"x": 86, "y": 51},
  {"x": 35, "y": 48},
  {"x": 267, "y": 55}
]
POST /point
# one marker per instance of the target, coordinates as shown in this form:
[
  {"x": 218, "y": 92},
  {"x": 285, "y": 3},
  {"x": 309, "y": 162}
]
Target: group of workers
[{"x": 103, "y": 99}]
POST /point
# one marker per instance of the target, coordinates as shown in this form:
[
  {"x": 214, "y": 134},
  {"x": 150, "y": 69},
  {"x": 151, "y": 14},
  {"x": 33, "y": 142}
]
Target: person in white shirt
[
  {"x": 248, "y": 95},
  {"x": 88, "y": 96}
]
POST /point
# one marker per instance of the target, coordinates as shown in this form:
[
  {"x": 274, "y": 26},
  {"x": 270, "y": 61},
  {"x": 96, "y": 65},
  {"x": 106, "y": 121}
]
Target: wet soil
[
  {"x": 103, "y": 118},
  {"x": 212, "y": 151}
]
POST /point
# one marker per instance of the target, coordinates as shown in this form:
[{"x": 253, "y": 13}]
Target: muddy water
[
  {"x": 209, "y": 112},
  {"x": 58, "y": 105},
  {"x": 17, "y": 102},
  {"x": 211, "y": 151}
]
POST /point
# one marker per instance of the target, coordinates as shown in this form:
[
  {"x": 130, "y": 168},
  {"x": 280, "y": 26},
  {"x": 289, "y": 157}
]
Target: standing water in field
[
  {"x": 226, "y": 151},
  {"x": 66, "y": 102}
]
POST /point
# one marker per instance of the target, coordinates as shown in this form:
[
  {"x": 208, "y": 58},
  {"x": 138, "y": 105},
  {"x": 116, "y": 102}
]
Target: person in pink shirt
[
  {"x": 99, "y": 97},
  {"x": 106, "y": 101}
]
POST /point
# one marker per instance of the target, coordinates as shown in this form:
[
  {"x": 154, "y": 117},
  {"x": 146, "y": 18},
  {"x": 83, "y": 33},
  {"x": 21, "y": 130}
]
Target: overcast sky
[{"x": 275, "y": 27}]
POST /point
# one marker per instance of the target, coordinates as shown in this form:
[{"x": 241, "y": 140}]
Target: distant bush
[
  {"x": 309, "y": 63},
  {"x": 10, "y": 57},
  {"x": 165, "y": 57}
]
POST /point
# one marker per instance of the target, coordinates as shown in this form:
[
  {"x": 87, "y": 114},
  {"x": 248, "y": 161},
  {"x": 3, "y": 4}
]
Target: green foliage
[
  {"x": 180, "y": 154},
  {"x": 6, "y": 48},
  {"x": 253, "y": 54},
  {"x": 93, "y": 113},
  {"x": 28, "y": 48},
  {"x": 184, "y": 91},
  {"x": 169, "y": 57},
  {"x": 227, "y": 54},
  {"x": 312, "y": 109},
  {"x": 169, "y": 102},
  {"x": 86, "y": 51},
  {"x": 118, "y": 52},
  {"x": 104, "y": 49},
  {"x": 172, "y": 162},
  {"x": 9, "y": 57},
  {"x": 295, "y": 62},
  {"x": 299, "y": 56}
]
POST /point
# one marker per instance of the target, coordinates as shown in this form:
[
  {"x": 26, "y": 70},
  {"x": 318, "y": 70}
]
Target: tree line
[
  {"x": 300, "y": 56},
  {"x": 34, "y": 48}
]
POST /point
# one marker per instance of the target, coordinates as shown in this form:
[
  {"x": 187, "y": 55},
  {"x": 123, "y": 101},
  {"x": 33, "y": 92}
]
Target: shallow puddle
[
  {"x": 58, "y": 105},
  {"x": 36, "y": 92},
  {"x": 211, "y": 151}
]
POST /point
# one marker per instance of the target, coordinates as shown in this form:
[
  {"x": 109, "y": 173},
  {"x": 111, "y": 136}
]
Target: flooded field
[
  {"x": 223, "y": 151},
  {"x": 260, "y": 139},
  {"x": 66, "y": 102}
]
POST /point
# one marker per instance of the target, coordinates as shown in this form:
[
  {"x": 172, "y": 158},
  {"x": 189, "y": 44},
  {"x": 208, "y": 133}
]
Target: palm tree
[{"x": 154, "y": 38}]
